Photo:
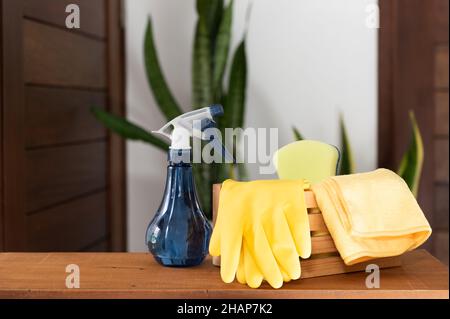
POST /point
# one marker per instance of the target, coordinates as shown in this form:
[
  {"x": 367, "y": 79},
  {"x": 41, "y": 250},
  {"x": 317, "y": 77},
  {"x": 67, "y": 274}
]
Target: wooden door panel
[
  {"x": 60, "y": 116},
  {"x": 413, "y": 75},
  {"x": 441, "y": 67},
  {"x": 59, "y": 228},
  {"x": 60, "y": 58},
  {"x": 441, "y": 158},
  {"x": 55, "y": 175},
  {"x": 440, "y": 20},
  {"x": 442, "y": 113},
  {"x": 93, "y": 11},
  {"x": 12, "y": 125},
  {"x": 102, "y": 245},
  {"x": 63, "y": 173}
]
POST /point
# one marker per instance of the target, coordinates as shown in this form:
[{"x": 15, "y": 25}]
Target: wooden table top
[{"x": 136, "y": 275}]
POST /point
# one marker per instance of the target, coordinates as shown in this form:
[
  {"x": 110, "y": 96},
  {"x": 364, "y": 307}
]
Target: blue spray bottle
[{"x": 179, "y": 233}]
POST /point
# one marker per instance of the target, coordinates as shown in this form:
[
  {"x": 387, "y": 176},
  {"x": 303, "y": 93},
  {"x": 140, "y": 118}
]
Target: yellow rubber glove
[
  {"x": 248, "y": 273},
  {"x": 271, "y": 220}
]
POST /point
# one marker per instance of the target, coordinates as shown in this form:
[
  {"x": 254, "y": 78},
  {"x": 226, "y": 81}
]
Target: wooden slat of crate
[
  {"x": 316, "y": 223},
  {"x": 334, "y": 265},
  {"x": 322, "y": 244},
  {"x": 325, "y": 258}
]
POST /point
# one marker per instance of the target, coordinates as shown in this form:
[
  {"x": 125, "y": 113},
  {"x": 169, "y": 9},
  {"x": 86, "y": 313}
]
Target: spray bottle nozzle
[
  {"x": 194, "y": 124},
  {"x": 216, "y": 110}
]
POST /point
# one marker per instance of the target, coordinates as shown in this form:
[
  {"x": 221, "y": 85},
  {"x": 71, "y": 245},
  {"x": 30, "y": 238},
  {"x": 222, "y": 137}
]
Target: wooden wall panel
[
  {"x": 441, "y": 104},
  {"x": 60, "y": 58},
  {"x": 440, "y": 20},
  {"x": 100, "y": 246},
  {"x": 441, "y": 72},
  {"x": 386, "y": 44},
  {"x": 57, "y": 163},
  {"x": 53, "y": 11},
  {"x": 441, "y": 248},
  {"x": 12, "y": 126},
  {"x": 406, "y": 83},
  {"x": 117, "y": 182},
  {"x": 413, "y": 73},
  {"x": 441, "y": 206},
  {"x": 2, "y": 222},
  {"x": 59, "y": 174},
  {"x": 58, "y": 116},
  {"x": 441, "y": 160},
  {"x": 68, "y": 227},
  {"x": 440, "y": 24}
]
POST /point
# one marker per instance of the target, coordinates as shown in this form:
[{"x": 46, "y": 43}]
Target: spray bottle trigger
[
  {"x": 213, "y": 136},
  {"x": 216, "y": 110},
  {"x": 219, "y": 147},
  {"x": 165, "y": 131}
]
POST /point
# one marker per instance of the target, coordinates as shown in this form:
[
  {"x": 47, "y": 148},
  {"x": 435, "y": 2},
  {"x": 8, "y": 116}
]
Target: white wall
[{"x": 308, "y": 61}]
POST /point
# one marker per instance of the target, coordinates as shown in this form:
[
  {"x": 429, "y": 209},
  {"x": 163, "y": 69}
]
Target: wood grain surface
[
  {"x": 137, "y": 275},
  {"x": 441, "y": 67},
  {"x": 56, "y": 158},
  {"x": 54, "y": 12},
  {"x": 117, "y": 145},
  {"x": 70, "y": 226},
  {"x": 55, "y": 116},
  {"x": 81, "y": 65},
  {"x": 55, "y": 175}
]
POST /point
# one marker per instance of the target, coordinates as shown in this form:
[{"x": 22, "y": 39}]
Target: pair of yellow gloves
[{"x": 261, "y": 230}]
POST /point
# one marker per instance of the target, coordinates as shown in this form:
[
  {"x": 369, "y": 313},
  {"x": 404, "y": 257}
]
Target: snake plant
[
  {"x": 410, "y": 168},
  {"x": 210, "y": 57}
]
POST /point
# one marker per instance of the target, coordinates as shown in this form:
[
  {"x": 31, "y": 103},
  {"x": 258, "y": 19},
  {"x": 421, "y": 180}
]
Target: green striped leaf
[
  {"x": 158, "y": 85},
  {"x": 297, "y": 135},
  {"x": 127, "y": 129},
  {"x": 222, "y": 46},
  {"x": 242, "y": 173},
  {"x": 235, "y": 105},
  {"x": 201, "y": 67},
  {"x": 211, "y": 11},
  {"x": 347, "y": 161},
  {"x": 412, "y": 162},
  {"x": 235, "y": 101}
]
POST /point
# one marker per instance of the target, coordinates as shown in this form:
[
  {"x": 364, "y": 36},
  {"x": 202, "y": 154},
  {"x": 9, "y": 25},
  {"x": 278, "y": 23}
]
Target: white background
[{"x": 308, "y": 61}]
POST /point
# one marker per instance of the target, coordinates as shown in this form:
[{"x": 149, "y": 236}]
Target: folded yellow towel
[{"x": 371, "y": 215}]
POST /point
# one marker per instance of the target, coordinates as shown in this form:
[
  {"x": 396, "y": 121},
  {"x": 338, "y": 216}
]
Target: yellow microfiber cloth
[{"x": 371, "y": 215}]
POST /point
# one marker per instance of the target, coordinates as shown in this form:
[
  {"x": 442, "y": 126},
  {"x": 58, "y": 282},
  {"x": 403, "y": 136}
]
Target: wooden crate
[{"x": 325, "y": 259}]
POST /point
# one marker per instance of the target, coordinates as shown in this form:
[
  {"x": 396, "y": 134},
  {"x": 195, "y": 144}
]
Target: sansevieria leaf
[
  {"x": 242, "y": 172},
  {"x": 209, "y": 62},
  {"x": 201, "y": 67},
  {"x": 235, "y": 101},
  {"x": 201, "y": 173},
  {"x": 347, "y": 161},
  {"x": 127, "y": 129},
  {"x": 297, "y": 135},
  {"x": 412, "y": 162},
  {"x": 158, "y": 85},
  {"x": 222, "y": 46},
  {"x": 211, "y": 11}
]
